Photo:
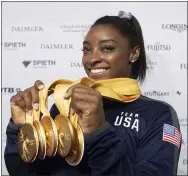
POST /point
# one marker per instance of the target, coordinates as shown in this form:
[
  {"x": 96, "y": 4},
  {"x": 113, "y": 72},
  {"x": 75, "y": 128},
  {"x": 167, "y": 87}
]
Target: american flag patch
[{"x": 171, "y": 134}]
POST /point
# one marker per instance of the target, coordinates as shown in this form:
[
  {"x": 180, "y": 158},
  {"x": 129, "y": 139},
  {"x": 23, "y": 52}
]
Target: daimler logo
[
  {"x": 157, "y": 46},
  {"x": 56, "y": 46},
  {"x": 76, "y": 64},
  {"x": 175, "y": 27},
  {"x": 27, "y": 29}
]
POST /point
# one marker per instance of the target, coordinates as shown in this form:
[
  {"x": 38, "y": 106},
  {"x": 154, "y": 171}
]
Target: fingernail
[
  {"x": 41, "y": 87},
  {"x": 35, "y": 106},
  {"x": 65, "y": 95},
  {"x": 72, "y": 111},
  {"x": 30, "y": 112}
]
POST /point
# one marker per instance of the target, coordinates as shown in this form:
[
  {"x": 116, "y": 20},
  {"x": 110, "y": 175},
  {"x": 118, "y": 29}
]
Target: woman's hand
[
  {"x": 87, "y": 103},
  {"x": 24, "y": 102}
]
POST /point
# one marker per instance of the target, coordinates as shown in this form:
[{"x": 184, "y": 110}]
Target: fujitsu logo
[{"x": 26, "y": 63}]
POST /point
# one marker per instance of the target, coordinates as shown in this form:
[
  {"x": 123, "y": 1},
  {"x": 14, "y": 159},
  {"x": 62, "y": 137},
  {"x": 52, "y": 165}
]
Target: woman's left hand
[{"x": 87, "y": 103}]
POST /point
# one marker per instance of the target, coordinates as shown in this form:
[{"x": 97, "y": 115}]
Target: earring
[{"x": 133, "y": 60}]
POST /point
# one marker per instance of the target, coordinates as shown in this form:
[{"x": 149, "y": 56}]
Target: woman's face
[{"x": 106, "y": 53}]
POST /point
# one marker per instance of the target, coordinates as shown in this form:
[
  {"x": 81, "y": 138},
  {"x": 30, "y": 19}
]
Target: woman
[{"x": 122, "y": 139}]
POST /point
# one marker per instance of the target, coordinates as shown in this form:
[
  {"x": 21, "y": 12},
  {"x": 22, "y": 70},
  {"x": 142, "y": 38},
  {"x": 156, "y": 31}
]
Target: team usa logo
[{"x": 128, "y": 120}]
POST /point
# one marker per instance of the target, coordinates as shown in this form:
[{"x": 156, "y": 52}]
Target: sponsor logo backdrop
[{"x": 43, "y": 41}]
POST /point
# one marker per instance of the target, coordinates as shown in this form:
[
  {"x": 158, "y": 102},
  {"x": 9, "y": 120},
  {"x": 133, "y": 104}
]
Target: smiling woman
[
  {"x": 136, "y": 137},
  {"x": 114, "y": 48}
]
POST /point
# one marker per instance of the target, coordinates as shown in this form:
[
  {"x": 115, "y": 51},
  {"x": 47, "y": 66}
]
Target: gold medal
[
  {"x": 65, "y": 135},
  {"x": 76, "y": 154},
  {"x": 51, "y": 135},
  {"x": 42, "y": 139},
  {"x": 28, "y": 142}
]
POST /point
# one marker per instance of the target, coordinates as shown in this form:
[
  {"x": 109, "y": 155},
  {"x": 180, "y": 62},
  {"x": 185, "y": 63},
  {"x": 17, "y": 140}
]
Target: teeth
[{"x": 98, "y": 70}]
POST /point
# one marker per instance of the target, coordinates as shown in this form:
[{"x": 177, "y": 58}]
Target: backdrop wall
[{"x": 43, "y": 40}]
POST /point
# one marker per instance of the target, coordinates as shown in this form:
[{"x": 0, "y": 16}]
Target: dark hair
[{"x": 130, "y": 28}]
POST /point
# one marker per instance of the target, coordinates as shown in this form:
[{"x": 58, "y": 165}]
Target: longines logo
[
  {"x": 175, "y": 27},
  {"x": 9, "y": 90},
  {"x": 76, "y": 64},
  {"x": 27, "y": 29},
  {"x": 183, "y": 66},
  {"x": 56, "y": 46},
  {"x": 75, "y": 27},
  {"x": 156, "y": 93},
  {"x": 38, "y": 63},
  {"x": 13, "y": 45},
  {"x": 158, "y": 47}
]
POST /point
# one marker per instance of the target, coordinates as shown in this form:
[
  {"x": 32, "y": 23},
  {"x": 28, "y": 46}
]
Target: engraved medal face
[
  {"x": 76, "y": 154},
  {"x": 42, "y": 139},
  {"x": 51, "y": 135},
  {"x": 64, "y": 135},
  {"x": 28, "y": 142}
]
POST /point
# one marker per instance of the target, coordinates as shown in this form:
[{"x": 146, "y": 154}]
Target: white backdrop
[{"x": 43, "y": 40}]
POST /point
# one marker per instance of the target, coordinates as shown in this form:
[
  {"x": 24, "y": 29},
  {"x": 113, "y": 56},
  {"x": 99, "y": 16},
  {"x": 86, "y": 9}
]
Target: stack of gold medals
[{"x": 42, "y": 136}]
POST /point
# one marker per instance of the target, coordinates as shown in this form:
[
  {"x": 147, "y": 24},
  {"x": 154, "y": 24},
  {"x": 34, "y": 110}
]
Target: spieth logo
[
  {"x": 56, "y": 46},
  {"x": 13, "y": 45},
  {"x": 39, "y": 63},
  {"x": 26, "y": 63},
  {"x": 156, "y": 93},
  {"x": 27, "y": 29},
  {"x": 75, "y": 28},
  {"x": 9, "y": 90},
  {"x": 175, "y": 27},
  {"x": 156, "y": 47},
  {"x": 183, "y": 66},
  {"x": 76, "y": 64}
]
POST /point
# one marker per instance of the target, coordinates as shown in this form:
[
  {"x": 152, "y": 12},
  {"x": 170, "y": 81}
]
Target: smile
[{"x": 99, "y": 70}]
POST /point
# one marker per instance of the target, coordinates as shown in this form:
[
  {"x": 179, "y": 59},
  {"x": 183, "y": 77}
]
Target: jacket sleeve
[{"x": 109, "y": 155}]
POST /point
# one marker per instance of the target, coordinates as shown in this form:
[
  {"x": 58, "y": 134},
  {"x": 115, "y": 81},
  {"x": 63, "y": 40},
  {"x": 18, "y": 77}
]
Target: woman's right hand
[{"x": 24, "y": 102}]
